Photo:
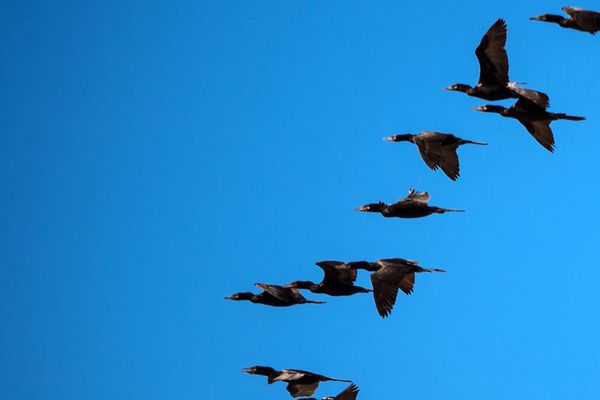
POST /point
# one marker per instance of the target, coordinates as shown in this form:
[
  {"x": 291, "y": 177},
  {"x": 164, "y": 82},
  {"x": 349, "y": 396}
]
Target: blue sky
[{"x": 158, "y": 156}]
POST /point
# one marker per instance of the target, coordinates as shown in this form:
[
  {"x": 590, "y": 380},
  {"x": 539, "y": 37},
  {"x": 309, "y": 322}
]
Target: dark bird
[
  {"x": 580, "y": 19},
  {"x": 412, "y": 206},
  {"x": 274, "y": 295},
  {"x": 299, "y": 383},
  {"x": 388, "y": 276},
  {"x": 350, "y": 393},
  {"x": 338, "y": 280},
  {"x": 534, "y": 118},
  {"x": 493, "y": 71},
  {"x": 438, "y": 150}
]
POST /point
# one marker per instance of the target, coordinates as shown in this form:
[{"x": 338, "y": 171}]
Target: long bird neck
[{"x": 556, "y": 19}]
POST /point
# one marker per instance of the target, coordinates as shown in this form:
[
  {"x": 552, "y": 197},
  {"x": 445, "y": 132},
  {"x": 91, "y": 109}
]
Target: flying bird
[
  {"x": 412, "y": 206},
  {"x": 438, "y": 150},
  {"x": 274, "y": 295},
  {"x": 388, "y": 276},
  {"x": 299, "y": 383},
  {"x": 493, "y": 71},
  {"x": 580, "y": 19},
  {"x": 350, "y": 393},
  {"x": 534, "y": 118},
  {"x": 338, "y": 280}
]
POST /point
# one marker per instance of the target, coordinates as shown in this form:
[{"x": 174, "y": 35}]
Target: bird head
[
  {"x": 406, "y": 137},
  {"x": 372, "y": 207},
  {"x": 489, "y": 108},
  {"x": 240, "y": 296},
  {"x": 458, "y": 87},
  {"x": 259, "y": 370}
]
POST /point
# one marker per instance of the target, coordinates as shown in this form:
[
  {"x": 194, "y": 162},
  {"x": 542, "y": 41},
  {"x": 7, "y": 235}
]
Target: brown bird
[
  {"x": 412, "y": 206},
  {"x": 338, "y": 280},
  {"x": 438, "y": 150},
  {"x": 274, "y": 295},
  {"x": 493, "y": 71},
  {"x": 534, "y": 118},
  {"x": 299, "y": 383},
  {"x": 388, "y": 276},
  {"x": 580, "y": 19}
]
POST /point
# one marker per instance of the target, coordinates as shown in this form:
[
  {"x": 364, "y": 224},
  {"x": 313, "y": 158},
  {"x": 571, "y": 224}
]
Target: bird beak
[
  {"x": 389, "y": 138},
  {"x": 228, "y": 297},
  {"x": 361, "y": 208},
  {"x": 248, "y": 370},
  {"x": 535, "y": 19},
  {"x": 448, "y": 88},
  {"x": 481, "y": 108}
]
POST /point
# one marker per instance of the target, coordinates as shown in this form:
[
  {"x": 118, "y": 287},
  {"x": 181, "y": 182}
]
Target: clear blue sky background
[{"x": 157, "y": 156}]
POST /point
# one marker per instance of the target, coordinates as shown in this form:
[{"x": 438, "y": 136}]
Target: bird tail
[
  {"x": 338, "y": 380},
  {"x": 445, "y": 210},
  {"x": 567, "y": 117},
  {"x": 315, "y": 302},
  {"x": 473, "y": 142}
]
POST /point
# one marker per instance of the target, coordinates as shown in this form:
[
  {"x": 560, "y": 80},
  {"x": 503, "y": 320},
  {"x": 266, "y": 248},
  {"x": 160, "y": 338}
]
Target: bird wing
[
  {"x": 539, "y": 98},
  {"x": 384, "y": 294},
  {"x": 349, "y": 393},
  {"x": 420, "y": 197},
  {"x": 588, "y": 20},
  {"x": 430, "y": 152},
  {"x": 493, "y": 60},
  {"x": 395, "y": 262},
  {"x": 407, "y": 283},
  {"x": 284, "y": 294},
  {"x": 541, "y": 131},
  {"x": 337, "y": 272},
  {"x": 449, "y": 161},
  {"x": 306, "y": 389}
]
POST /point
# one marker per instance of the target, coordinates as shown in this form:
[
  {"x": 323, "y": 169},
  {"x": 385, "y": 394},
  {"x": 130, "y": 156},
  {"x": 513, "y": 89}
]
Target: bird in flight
[
  {"x": 338, "y": 280},
  {"x": 274, "y": 295},
  {"x": 579, "y": 19}
]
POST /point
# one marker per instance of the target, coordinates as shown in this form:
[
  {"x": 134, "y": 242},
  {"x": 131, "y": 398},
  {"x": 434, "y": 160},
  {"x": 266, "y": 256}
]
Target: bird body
[
  {"x": 494, "y": 83},
  {"x": 579, "y": 19},
  {"x": 533, "y": 117},
  {"x": 299, "y": 383},
  {"x": 412, "y": 206},
  {"x": 388, "y": 276},
  {"x": 338, "y": 280},
  {"x": 274, "y": 295},
  {"x": 438, "y": 150}
]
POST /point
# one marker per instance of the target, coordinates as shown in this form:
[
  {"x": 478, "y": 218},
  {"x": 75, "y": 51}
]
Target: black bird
[
  {"x": 274, "y": 295},
  {"x": 299, "y": 383},
  {"x": 388, "y": 276},
  {"x": 350, "y": 393},
  {"x": 493, "y": 71},
  {"x": 412, "y": 206},
  {"x": 438, "y": 150},
  {"x": 338, "y": 280},
  {"x": 534, "y": 118},
  {"x": 580, "y": 19}
]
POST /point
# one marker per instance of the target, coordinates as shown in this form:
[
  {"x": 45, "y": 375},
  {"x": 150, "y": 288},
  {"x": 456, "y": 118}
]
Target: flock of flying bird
[{"x": 438, "y": 150}]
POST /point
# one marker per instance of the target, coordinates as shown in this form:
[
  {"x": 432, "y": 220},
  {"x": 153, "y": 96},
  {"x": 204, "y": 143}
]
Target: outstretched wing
[
  {"x": 337, "y": 272},
  {"x": 539, "y": 98},
  {"x": 407, "y": 283},
  {"x": 296, "y": 389},
  {"x": 283, "y": 293},
  {"x": 449, "y": 161},
  {"x": 493, "y": 60},
  {"x": 541, "y": 131},
  {"x": 384, "y": 294},
  {"x": 349, "y": 393},
  {"x": 588, "y": 20}
]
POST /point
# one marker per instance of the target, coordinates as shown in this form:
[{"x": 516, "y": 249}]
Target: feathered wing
[
  {"x": 588, "y": 20},
  {"x": 407, "y": 283},
  {"x": 420, "y": 197},
  {"x": 384, "y": 294},
  {"x": 296, "y": 389},
  {"x": 349, "y": 393},
  {"x": 541, "y": 131},
  {"x": 493, "y": 60},
  {"x": 430, "y": 152},
  {"x": 284, "y": 294},
  {"x": 449, "y": 162},
  {"x": 337, "y": 272},
  {"x": 539, "y": 98}
]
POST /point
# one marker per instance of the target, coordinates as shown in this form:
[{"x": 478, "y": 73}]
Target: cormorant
[
  {"x": 338, "y": 280},
  {"x": 350, "y": 393},
  {"x": 299, "y": 383},
  {"x": 412, "y": 206},
  {"x": 580, "y": 19},
  {"x": 534, "y": 118},
  {"x": 493, "y": 71},
  {"x": 388, "y": 276},
  {"x": 438, "y": 150},
  {"x": 274, "y": 295}
]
